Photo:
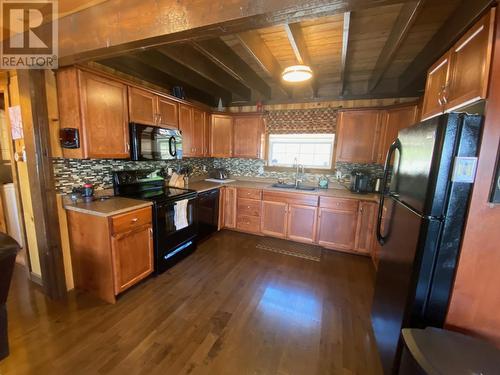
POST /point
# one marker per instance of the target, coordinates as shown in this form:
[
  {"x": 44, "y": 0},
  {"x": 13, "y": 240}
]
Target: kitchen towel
[{"x": 180, "y": 215}]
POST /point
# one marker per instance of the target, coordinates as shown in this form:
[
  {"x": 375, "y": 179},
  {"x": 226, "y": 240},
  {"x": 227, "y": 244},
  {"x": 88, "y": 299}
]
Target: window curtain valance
[{"x": 302, "y": 121}]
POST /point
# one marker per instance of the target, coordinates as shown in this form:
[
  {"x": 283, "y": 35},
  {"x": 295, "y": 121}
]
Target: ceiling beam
[
  {"x": 221, "y": 54},
  {"x": 299, "y": 47},
  {"x": 406, "y": 18},
  {"x": 343, "y": 56},
  {"x": 135, "y": 67},
  {"x": 193, "y": 59},
  {"x": 159, "y": 61},
  {"x": 256, "y": 47},
  {"x": 467, "y": 12},
  {"x": 85, "y": 36}
]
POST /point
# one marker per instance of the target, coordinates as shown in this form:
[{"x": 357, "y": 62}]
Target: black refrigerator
[{"x": 428, "y": 178}]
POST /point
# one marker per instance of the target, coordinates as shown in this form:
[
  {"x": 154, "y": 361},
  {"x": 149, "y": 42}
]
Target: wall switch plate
[{"x": 464, "y": 169}]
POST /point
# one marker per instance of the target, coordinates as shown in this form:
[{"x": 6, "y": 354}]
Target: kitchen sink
[{"x": 292, "y": 186}]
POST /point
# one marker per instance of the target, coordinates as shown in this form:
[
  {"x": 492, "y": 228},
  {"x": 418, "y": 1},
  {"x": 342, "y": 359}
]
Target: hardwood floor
[{"x": 227, "y": 309}]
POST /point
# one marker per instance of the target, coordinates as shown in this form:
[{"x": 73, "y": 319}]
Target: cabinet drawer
[
  {"x": 249, "y": 193},
  {"x": 248, "y": 207},
  {"x": 248, "y": 223},
  {"x": 130, "y": 220},
  {"x": 339, "y": 204}
]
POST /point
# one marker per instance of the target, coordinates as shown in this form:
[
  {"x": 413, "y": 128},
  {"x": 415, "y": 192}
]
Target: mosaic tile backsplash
[{"x": 69, "y": 173}]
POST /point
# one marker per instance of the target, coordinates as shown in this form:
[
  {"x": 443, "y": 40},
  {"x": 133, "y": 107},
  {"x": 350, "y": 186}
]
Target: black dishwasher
[{"x": 208, "y": 213}]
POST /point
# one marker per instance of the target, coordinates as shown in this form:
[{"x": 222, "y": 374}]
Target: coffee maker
[{"x": 360, "y": 181}]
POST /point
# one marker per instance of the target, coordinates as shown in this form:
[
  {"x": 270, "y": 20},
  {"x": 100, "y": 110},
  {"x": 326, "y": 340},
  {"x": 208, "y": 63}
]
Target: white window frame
[{"x": 275, "y": 138}]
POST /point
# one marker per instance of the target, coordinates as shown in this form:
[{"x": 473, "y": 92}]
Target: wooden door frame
[
  {"x": 4, "y": 89},
  {"x": 36, "y": 128}
]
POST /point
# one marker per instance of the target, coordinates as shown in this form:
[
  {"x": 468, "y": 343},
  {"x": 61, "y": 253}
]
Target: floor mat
[{"x": 275, "y": 245}]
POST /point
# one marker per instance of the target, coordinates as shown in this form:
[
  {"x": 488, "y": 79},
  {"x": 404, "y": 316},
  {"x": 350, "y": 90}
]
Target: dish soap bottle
[{"x": 323, "y": 182}]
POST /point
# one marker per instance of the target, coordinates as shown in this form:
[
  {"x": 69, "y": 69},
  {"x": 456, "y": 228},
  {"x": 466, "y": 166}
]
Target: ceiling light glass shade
[{"x": 297, "y": 73}]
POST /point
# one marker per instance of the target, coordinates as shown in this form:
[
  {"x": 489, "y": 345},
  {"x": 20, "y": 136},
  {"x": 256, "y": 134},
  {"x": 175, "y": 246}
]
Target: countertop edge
[{"x": 107, "y": 214}]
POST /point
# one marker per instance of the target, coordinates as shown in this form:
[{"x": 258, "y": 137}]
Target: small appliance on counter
[
  {"x": 219, "y": 175},
  {"x": 360, "y": 181}
]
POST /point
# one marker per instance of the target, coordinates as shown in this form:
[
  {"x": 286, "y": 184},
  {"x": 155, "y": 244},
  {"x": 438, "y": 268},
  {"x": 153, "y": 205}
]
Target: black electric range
[{"x": 175, "y": 219}]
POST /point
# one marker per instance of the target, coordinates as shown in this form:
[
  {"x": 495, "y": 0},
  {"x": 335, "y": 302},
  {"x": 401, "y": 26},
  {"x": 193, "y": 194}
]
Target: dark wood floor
[{"x": 227, "y": 309}]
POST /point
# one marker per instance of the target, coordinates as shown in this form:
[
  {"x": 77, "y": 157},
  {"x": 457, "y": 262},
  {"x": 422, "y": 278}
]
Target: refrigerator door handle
[{"x": 396, "y": 145}]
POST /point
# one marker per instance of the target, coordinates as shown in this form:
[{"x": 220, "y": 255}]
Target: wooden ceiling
[{"x": 376, "y": 52}]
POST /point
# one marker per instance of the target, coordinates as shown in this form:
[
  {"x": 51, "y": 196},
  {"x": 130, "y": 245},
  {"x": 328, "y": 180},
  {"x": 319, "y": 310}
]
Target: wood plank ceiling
[{"x": 353, "y": 55}]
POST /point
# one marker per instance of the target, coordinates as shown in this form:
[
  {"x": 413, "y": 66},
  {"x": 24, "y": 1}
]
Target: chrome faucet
[{"x": 299, "y": 167}]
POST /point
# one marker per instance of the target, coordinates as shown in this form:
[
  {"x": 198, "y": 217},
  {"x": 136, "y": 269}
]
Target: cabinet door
[
  {"x": 365, "y": 227},
  {"x": 302, "y": 223},
  {"x": 206, "y": 133},
  {"x": 198, "y": 132},
  {"x": 104, "y": 116},
  {"x": 229, "y": 207},
  {"x": 437, "y": 77},
  {"x": 168, "y": 115},
  {"x": 274, "y": 219},
  {"x": 470, "y": 65},
  {"x": 132, "y": 257},
  {"x": 142, "y": 106},
  {"x": 358, "y": 136},
  {"x": 221, "y": 136},
  {"x": 187, "y": 129},
  {"x": 337, "y": 228},
  {"x": 395, "y": 120},
  {"x": 248, "y": 136}
]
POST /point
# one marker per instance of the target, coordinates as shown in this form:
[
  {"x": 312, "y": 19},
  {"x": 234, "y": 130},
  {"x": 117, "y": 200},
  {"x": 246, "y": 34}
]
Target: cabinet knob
[{"x": 134, "y": 220}]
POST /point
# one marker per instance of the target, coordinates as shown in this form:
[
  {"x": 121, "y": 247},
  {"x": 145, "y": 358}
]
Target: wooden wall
[{"x": 475, "y": 303}]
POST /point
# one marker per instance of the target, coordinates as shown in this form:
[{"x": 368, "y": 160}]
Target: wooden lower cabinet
[
  {"x": 365, "y": 230},
  {"x": 302, "y": 223},
  {"x": 274, "y": 219},
  {"x": 229, "y": 205},
  {"x": 132, "y": 257},
  {"x": 110, "y": 254},
  {"x": 337, "y": 228}
]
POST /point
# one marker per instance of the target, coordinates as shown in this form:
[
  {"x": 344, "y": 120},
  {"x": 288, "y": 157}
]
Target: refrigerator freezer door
[{"x": 406, "y": 232}]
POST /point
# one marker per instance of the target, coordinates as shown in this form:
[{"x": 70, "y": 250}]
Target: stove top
[{"x": 163, "y": 194}]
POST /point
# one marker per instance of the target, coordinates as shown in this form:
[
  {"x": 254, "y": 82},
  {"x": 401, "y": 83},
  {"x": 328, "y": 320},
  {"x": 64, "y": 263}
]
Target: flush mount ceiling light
[{"x": 297, "y": 73}]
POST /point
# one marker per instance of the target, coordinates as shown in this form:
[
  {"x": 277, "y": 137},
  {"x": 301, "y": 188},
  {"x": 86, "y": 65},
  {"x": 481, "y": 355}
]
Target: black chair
[{"x": 8, "y": 252}]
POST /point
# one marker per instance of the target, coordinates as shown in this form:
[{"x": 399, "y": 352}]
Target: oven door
[
  {"x": 176, "y": 228},
  {"x": 154, "y": 143}
]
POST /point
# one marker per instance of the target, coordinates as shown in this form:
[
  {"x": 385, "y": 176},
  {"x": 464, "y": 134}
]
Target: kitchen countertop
[
  {"x": 108, "y": 207},
  {"x": 336, "y": 192}
]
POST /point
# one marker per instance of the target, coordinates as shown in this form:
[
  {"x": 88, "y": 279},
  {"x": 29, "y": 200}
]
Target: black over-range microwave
[{"x": 153, "y": 143}]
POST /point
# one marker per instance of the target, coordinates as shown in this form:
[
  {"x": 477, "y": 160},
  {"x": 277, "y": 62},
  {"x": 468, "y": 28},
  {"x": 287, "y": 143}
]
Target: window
[{"x": 310, "y": 150}]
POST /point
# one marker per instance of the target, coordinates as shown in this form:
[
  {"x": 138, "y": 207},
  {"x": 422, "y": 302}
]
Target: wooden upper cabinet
[
  {"x": 274, "y": 219},
  {"x": 365, "y": 229},
  {"x": 358, "y": 135},
  {"x": 200, "y": 141},
  {"x": 461, "y": 76},
  {"x": 437, "y": 78},
  {"x": 470, "y": 64},
  {"x": 187, "y": 129},
  {"x": 142, "y": 106},
  {"x": 302, "y": 223},
  {"x": 221, "y": 136},
  {"x": 393, "y": 121},
  {"x": 168, "y": 115},
  {"x": 104, "y": 116},
  {"x": 148, "y": 108},
  {"x": 248, "y": 136}
]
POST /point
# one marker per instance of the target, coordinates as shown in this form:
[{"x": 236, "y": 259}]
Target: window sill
[{"x": 293, "y": 170}]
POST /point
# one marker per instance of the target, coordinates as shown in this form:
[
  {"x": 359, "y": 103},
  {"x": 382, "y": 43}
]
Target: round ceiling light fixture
[{"x": 297, "y": 73}]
